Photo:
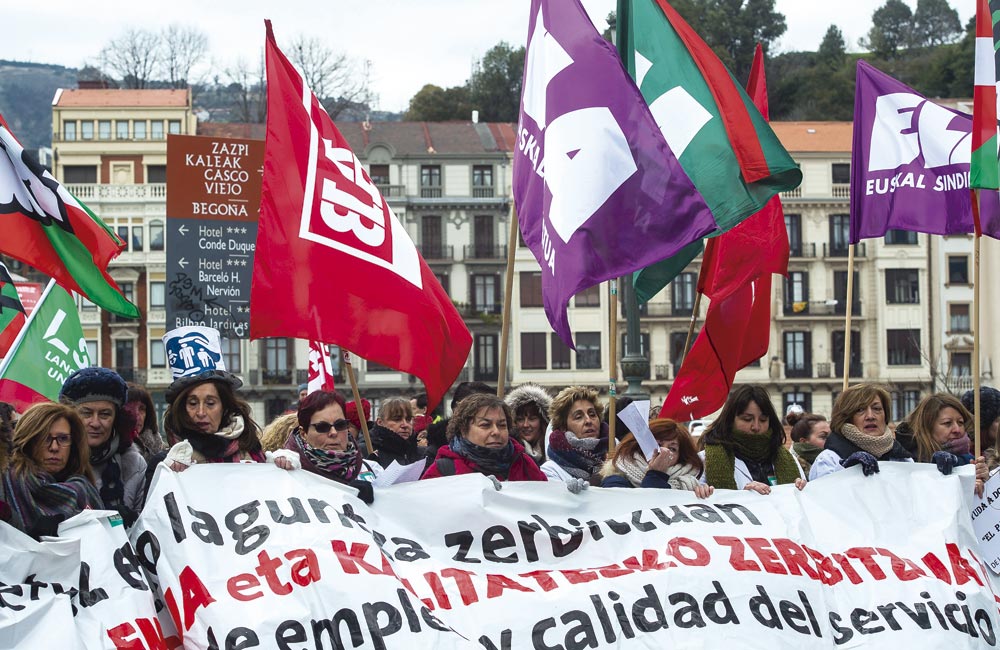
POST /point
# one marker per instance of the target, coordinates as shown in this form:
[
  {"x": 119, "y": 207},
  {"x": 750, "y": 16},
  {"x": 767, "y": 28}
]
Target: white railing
[{"x": 107, "y": 192}]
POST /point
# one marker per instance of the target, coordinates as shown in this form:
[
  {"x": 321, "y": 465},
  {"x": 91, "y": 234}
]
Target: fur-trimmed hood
[{"x": 528, "y": 394}]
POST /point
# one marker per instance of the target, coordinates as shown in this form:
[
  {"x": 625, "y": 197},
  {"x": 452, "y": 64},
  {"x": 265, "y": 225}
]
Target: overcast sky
[{"x": 408, "y": 42}]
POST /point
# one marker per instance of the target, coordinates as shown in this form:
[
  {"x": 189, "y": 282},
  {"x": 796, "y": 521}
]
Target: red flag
[
  {"x": 333, "y": 263},
  {"x": 12, "y": 312},
  {"x": 736, "y": 275},
  {"x": 320, "y": 367}
]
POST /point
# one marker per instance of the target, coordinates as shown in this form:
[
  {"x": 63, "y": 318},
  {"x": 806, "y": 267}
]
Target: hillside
[{"x": 26, "y": 91}]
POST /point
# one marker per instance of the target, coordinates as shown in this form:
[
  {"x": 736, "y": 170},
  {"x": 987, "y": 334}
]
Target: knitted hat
[
  {"x": 94, "y": 385},
  {"x": 351, "y": 412},
  {"x": 989, "y": 405},
  {"x": 303, "y": 387}
]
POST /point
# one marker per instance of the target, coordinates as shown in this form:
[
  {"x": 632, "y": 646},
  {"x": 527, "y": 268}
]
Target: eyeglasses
[
  {"x": 62, "y": 441},
  {"x": 324, "y": 427}
]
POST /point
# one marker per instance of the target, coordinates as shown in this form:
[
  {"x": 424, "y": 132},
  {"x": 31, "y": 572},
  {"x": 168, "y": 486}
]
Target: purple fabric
[
  {"x": 910, "y": 163},
  {"x": 597, "y": 190}
]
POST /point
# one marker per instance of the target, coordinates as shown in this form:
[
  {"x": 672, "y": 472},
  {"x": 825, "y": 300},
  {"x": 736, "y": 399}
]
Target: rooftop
[
  {"x": 815, "y": 137},
  {"x": 120, "y": 98}
]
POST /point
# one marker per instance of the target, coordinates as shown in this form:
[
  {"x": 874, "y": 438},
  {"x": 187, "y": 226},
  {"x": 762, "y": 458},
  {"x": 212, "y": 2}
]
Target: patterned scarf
[
  {"x": 36, "y": 495},
  {"x": 680, "y": 476},
  {"x": 341, "y": 466},
  {"x": 877, "y": 446},
  {"x": 106, "y": 458},
  {"x": 720, "y": 460},
  {"x": 580, "y": 457},
  {"x": 487, "y": 460}
]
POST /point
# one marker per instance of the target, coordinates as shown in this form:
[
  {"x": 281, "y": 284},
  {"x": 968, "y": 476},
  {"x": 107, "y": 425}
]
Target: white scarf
[{"x": 680, "y": 477}]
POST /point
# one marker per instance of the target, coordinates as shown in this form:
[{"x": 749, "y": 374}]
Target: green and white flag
[{"x": 49, "y": 347}]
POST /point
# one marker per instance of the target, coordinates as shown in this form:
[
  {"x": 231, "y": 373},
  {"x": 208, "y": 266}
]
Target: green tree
[
  {"x": 935, "y": 22},
  {"x": 495, "y": 84},
  {"x": 832, "y": 51},
  {"x": 891, "y": 31},
  {"x": 436, "y": 104}
]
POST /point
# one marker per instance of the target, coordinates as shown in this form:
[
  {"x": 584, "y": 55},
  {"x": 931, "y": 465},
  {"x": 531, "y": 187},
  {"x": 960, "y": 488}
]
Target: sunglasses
[{"x": 324, "y": 427}]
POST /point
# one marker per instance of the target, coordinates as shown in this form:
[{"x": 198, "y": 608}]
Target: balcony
[
  {"x": 841, "y": 190},
  {"x": 283, "y": 377},
  {"x": 792, "y": 194},
  {"x": 431, "y": 192},
  {"x": 855, "y": 367},
  {"x": 482, "y": 192},
  {"x": 107, "y": 192},
  {"x": 860, "y": 250},
  {"x": 391, "y": 191},
  {"x": 481, "y": 253},
  {"x": 802, "y": 251},
  {"x": 437, "y": 253},
  {"x": 796, "y": 372}
]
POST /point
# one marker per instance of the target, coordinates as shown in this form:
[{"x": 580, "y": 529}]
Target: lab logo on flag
[{"x": 908, "y": 127}]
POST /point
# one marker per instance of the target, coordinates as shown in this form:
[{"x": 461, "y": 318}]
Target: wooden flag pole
[
  {"x": 508, "y": 292},
  {"x": 694, "y": 317},
  {"x": 847, "y": 314},
  {"x": 357, "y": 401},
  {"x": 613, "y": 356},
  {"x": 978, "y": 434}
]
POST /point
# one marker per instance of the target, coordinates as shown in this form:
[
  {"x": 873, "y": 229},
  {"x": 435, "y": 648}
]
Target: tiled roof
[
  {"x": 123, "y": 98},
  {"x": 814, "y": 137}
]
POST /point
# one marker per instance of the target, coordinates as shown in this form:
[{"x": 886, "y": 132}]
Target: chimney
[{"x": 475, "y": 117}]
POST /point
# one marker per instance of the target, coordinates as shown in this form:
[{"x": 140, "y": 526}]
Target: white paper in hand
[
  {"x": 636, "y": 418},
  {"x": 396, "y": 473}
]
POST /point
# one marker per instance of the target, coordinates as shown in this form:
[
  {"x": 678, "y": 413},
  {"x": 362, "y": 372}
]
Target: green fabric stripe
[
  {"x": 79, "y": 263},
  {"x": 985, "y": 171}
]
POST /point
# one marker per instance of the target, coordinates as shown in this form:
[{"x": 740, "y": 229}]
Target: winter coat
[
  {"x": 390, "y": 447},
  {"x": 838, "y": 447},
  {"x": 531, "y": 394},
  {"x": 523, "y": 468},
  {"x": 133, "y": 468}
]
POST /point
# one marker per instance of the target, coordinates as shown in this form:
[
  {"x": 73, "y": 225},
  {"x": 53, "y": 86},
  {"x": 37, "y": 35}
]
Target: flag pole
[
  {"x": 357, "y": 402},
  {"x": 694, "y": 318},
  {"x": 508, "y": 292},
  {"x": 613, "y": 355},
  {"x": 24, "y": 329},
  {"x": 977, "y": 435},
  {"x": 847, "y": 315}
]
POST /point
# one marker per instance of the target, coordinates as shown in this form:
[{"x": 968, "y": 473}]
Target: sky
[{"x": 408, "y": 43}]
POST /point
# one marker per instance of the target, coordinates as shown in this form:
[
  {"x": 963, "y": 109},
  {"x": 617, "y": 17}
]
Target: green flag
[
  {"x": 723, "y": 143},
  {"x": 49, "y": 347}
]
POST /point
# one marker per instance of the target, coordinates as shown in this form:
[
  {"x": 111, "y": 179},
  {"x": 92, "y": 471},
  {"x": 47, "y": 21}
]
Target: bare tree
[
  {"x": 183, "y": 48},
  {"x": 333, "y": 76},
  {"x": 133, "y": 57},
  {"x": 248, "y": 87}
]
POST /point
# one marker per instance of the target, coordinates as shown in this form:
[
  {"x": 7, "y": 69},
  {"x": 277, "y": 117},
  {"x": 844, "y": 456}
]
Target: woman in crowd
[
  {"x": 578, "y": 444},
  {"x": 989, "y": 416},
  {"x": 392, "y": 436},
  {"x": 859, "y": 433},
  {"x": 325, "y": 446},
  {"x": 479, "y": 441},
  {"x": 675, "y": 464},
  {"x": 49, "y": 478},
  {"x": 530, "y": 405},
  {"x": 275, "y": 435},
  {"x": 809, "y": 434},
  {"x": 146, "y": 436},
  {"x": 938, "y": 424},
  {"x": 744, "y": 447},
  {"x": 99, "y": 396}
]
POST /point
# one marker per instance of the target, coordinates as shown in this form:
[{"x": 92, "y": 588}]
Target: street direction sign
[{"x": 213, "y": 202}]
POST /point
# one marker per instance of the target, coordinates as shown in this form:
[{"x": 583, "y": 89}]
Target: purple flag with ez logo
[
  {"x": 598, "y": 192},
  {"x": 910, "y": 163}
]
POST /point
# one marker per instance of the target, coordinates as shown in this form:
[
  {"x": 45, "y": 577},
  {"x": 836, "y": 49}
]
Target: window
[
  {"x": 902, "y": 286},
  {"x": 588, "y": 350},
  {"x": 798, "y": 354},
  {"x": 92, "y": 351},
  {"x": 682, "y": 293},
  {"x": 123, "y": 235},
  {"x": 431, "y": 239},
  {"x": 531, "y": 289},
  {"x": 643, "y": 344},
  {"x": 231, "y": 355},
  {"x": 485, "y": 298},
  {"x": 125, "y": 358},
  {"x": 533, "y": 351},
  {"x": 793, "y": 226},
  {"x": 69, "y": 130},
  {"x": 174, "y": 127},
  {"x": 677, "y": 341},
  {"x": 156, "y": 235},
  {"x": 86, "y": 305},
  {"x": 560, "y": 353},
  {"x": 157, "y": 357},
  {"x": 482, "y": 181},
  {"x": 958, "y": 269},
  {"x": 137, "y": 238},
  {"x": 900, "y": 238},
  {"x": 486, "y": 357},
  {"x": 840, "y": 293},
  {"x": 157, "y": 295},
  {"x": 156, "y": 129},
  {"x": 276, "y": 362},
  {"x": 958, "y": 319},
  {"x": 588, "y": 297},
  {"x": 379, "y": 174},
  {"x": 121, "y": 127},
  {"x": 797, "y": 292},
  {"x": 482, "y": 237},
  {"x": 87, "y": 130},
  {"x": 104, "y": 129},
  {"x": 903, "y": 403},
  {"x": 841, "y": 173},
  {"x": 840, "y": 234},
  {"x": 903, "y": 347},
  {"x": 837, "y": 350},
  {"x": 156, "y": 174},
  {"x": 80, "y": 174},
  {"x": 961, "y": 364},
  {"x": 801, "y": 398},
  {"x": 139, "y": 130},
  {"x": 445, "y": 281},
  {"x": 430, "y": 181}
]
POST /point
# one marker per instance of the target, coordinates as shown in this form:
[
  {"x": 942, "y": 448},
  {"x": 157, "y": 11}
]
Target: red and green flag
[
  {"x": 45, "y": 226},
  {"x": 723, "y": 143},
  {"x": 985, "y": 169},
  {"x": 48, "y": 348},
  {"x": 12, "y": 313}
]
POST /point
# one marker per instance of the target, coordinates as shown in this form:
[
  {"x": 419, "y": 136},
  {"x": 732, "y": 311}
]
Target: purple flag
[
  {"x": 910, "y": 163},
  {"x": 597, "y": 190}
]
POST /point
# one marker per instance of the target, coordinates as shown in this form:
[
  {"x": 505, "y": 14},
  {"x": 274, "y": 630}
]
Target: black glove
[
  {"x": 128, "y": 515},
  {"x": 46, "y": 526},
  {"x": 365, "y": 491},
  {"x": 945, "y": 461},
  {"x": 869, "y": 464}
]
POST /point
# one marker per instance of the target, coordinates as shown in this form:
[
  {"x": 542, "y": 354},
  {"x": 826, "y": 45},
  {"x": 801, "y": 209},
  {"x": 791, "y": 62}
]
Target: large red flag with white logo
[{"x": 333, "y": 263}]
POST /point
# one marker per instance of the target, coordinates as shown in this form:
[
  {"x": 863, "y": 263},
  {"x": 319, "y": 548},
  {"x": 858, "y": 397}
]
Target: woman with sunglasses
[
  {"x": 49, "y": 478},
  {"x": 325, "y": 445}
]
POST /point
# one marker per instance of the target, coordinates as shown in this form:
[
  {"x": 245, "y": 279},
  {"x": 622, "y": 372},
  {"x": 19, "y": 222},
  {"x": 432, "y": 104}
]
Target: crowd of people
[{"x": 100, "y": 444}]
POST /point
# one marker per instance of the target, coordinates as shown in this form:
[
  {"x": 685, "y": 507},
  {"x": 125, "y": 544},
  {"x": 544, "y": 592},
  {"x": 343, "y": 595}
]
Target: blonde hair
[
  {"x": 33, "y": 428},
  {"x": 562, "y": 403},
  {"x": 925, "y": 416},
  {"x": 276, "y": 433}
]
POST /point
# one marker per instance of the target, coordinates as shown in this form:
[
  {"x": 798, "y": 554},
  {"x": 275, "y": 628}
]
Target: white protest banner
[
  {"x": 289, "y": 560},
  {"x": 986, "y": 523}
]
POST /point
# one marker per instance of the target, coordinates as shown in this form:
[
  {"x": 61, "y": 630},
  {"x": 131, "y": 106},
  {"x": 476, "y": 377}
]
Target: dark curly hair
[{"x": 467, "y": 409}]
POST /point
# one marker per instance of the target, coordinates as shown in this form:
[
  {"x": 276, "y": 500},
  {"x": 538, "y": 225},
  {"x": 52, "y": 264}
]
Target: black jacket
[{"x": 390, "y": 447}]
